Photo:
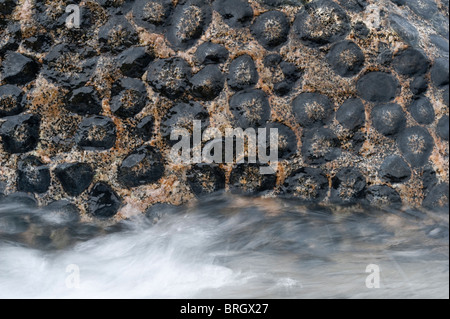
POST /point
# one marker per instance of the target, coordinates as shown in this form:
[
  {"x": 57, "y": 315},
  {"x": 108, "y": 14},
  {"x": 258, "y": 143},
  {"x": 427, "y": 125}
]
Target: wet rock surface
[{"x": 357, "y": 89}]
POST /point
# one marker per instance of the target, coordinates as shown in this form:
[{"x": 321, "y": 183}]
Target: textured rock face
[{"x": 357, "y": 89}]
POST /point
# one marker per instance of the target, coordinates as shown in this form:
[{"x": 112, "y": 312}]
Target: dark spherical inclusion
[
  {"x": 395, "y": 170},
  {"x": 437, "y": 197},
  {"x": 142, "y": 166},
  {"x": 96, "y": 133},
  {"x": 69, "y": 65},
  {"x": 422, "y": 111},
  {"x": 347, "y": 186},
  {"x": 377, "y": 87},
  {"x": 290, "y": 72},
  {"x": 442, "y": 128},
  {"x": 312, "y": 109},
  {"x": 33, "y": 175},
  {"x": 129, "y": 97},
  {"x": 20, "y": 198},
  {"x": 103, "y": 201},
  {"x": 208, "y": 83},
  {"x": 247, "y": 179},
  {"x": 320, "y": 145},
  {"x": 242, "y": 73},
  {"x": 351, "y": 115},
  {"x": 7, "y": 6},
  {"x": 19, "y": 69},
  {"x": 211, "y": 53},
  {"x": 271, "y": 29},
  {"x": 189, "y": 20},
  {"x": 416, "y": 145},
  {"x": 182, "y": 116},
  {"x": 346, "y": 58},
  {"x": 117, "y": 35},
  {"x": 439, "y": 72},
  {"x": 62, "y": 212},
  {"x": 157, "y": 211},
  {"x": 133, "y": 61},
  {"x": 10, "y": 100},
  {"x": 170, "y": 77},
  {"x": 360, "y": 30},
  {"x": 205, "y": 179},
  {"x": 383, "y": 196},
  {"x": 153, "y": 15},
  {"x": 411, "y": 62},
  {"x": 20, "y": 133},
  {"x": 75, "y": 178},
  {"x": 83, "y": 101},
  {"x": 235, "y": 13},
  {"x": 388, "y": 119},
  {"x": 419, "y": 86},
  {"x": 306, "y": 184},
  {"x": 287, "y": 141},
  {"x": 250, "y": 108},
  {"x": 321, "y": 22}
]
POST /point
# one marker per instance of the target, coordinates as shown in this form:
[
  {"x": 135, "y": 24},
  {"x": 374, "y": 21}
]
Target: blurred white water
[{"x": 218, "y": 251}]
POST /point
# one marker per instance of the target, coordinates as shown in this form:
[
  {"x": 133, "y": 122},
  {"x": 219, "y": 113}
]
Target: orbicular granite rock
[{"x": 358, "y": 91}]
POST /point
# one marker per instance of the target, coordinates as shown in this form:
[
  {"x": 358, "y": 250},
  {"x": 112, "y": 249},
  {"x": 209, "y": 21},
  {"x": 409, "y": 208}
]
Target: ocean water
[{"x": 227, "y": 247}]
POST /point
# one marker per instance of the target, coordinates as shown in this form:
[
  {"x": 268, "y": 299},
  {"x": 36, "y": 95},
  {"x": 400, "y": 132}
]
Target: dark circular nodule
[
  {"x": 117, "y": 35},
  {"x": 103, "y": 202},
  {"x": 247, "y": 179},
  {"x": 84, "y": 101},
  {"x": 242, "y": 73},
  {"x": 347, "y": 186},
  {"x": 437, "y": 197},
  {"x": 133, "y": 61},
  {"x": 377, "y": 87},
  {"x": 250, "y": 108},
  {"x": 205, "y": 179},
  {"x": 287, "y": 141},
  {"x": 208, "y": 83},
  {"x": 439, "y": 72},
  {"x": 32, "y": 175},
  {"x": 416, "y": 145},
  {"x": 321, "y": 22},
  {"x": 388, "y": 119},
  {"x": 153, "y": 15},
  {"x": 19, "y": 69},
  {"x": 143, "y": 166},
  {"x": 419, "y": 86},
  {"x": 346, "y": 58},
  {"x": 182, "y": 116},
  {"x": 188, "y": 22},
  {"x": 312, "y": 109},
  {"x": 320, "y": 145},
  {"x": 383, "y": 196},
  {"x": 271, "y": 29},
  {"x": 351, "y": 115},
  {"x": 75, "y": 178},
  {"x": 10, "y": 100},
  {"x": 170, "y": 77},
  {"x": 307, "y": 184},
  {"x": 395, "y": 170},
  {"x": 61, "y": 212},
  {"x": 235, "y": 13},
  {"x": 411, "y": 62},
  {"x": 442, "y": 128},
  {"x": 211, "y": 53},
  {"x": 422, "y": 111},
  {"x": 20, "y": 133},
  {"x": 96, "y": 133},
  {"x": 129, "y": 97}
]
